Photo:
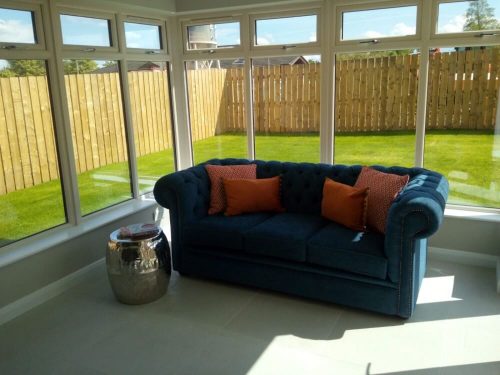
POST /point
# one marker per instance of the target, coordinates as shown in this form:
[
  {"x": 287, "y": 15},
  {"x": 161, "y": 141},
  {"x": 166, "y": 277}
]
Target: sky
[{"x": 17, "y": 27}]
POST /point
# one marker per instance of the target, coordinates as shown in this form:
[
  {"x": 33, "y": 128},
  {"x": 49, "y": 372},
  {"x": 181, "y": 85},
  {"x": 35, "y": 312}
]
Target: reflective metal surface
[{"x": 138, "y": 270}]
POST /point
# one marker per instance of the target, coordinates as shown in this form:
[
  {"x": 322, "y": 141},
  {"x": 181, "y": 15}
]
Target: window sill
[
  {"x": 37, "y": 243},
  {"x": 471, "y": 213}
]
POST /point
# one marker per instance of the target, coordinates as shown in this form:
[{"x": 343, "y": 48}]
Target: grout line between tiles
[{"x": 238, "y": 312}]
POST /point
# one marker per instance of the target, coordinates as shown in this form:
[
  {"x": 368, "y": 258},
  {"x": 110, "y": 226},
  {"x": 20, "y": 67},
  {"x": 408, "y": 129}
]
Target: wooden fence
[
  {"x": 28, "y": 154},
  {"x": 463, "y": 90},
  {"x": 286, "y": 100},
  {"x": 372, "y": 95},
  {"x": 376, "y": 94},
  {"x": 27, "y": 150}
]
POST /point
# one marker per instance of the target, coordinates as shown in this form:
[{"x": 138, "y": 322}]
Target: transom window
[
  {"x": 286, "y": 30},
  {"x": 379, "y": 23},
  {"x": 213, "y": 35},
  {"x": 85, "y": 31},
  {"x": 467, "y": 16},
  {"x": 17, "y": 26},
  {"x": 140, "y": 35}
]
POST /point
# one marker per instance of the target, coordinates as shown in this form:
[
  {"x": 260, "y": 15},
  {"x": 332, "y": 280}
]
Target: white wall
[
  {"x": 468, "y": 234},
  {"x": 200, "y": 5},
  {"x": 34, "y": 272}
]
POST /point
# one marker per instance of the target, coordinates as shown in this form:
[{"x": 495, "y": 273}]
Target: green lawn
[{"x": 466, "y": 158}]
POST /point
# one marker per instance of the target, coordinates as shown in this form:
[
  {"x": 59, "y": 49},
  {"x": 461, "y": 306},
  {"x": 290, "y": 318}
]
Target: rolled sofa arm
[
  {"x": 420, "y": 206},
  {"x": 415, "y": 214},
  {"x": 186, "y": 193}
]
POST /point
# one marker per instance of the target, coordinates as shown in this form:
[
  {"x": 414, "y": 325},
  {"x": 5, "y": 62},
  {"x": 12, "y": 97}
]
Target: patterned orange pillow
[
  {"x": 217, "y": 173},
  {"x": 384, "y": 187}
]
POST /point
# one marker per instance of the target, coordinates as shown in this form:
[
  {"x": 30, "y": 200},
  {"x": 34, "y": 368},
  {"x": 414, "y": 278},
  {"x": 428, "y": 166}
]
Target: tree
[
  {"x": 79, "y": 66},
  {"x": 110, "y": 63},
  {"x": 23, "y": 68},
  {"x": 374, "y": 54},
  {"x": 480, "y": 16}
]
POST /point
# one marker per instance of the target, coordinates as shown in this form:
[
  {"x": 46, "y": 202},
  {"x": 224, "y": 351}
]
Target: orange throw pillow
[
  {"x": 217, "y": 173},
  {"x": 344, "y": 204},
  {"x": 245, "y": 196},
  {"x": 384, "y": 187}
]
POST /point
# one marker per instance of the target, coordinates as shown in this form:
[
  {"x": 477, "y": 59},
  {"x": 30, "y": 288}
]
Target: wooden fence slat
[
  {"x": 38, "y": 127},
  {"x": 8, "y": 182},
  {"x": 48, "y": 127},
  {"x": 414, "y": 82}
]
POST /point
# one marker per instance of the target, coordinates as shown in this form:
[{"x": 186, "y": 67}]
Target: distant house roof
[
  {"x": 133, "y": 66},
  {"x": 267, "y": 61}
]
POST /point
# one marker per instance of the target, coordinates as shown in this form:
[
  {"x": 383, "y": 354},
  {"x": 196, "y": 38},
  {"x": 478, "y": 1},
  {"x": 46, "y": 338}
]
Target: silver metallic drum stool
[{"x": 138, "y": 263}]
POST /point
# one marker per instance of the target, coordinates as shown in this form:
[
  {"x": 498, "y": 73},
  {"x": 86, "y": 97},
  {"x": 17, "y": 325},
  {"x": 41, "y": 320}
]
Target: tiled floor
[{"x": 204, "y": 327}]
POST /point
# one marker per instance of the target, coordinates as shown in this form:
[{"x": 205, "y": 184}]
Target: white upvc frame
[
  {"x": 339, "y": 46},
  {"x": 38, "y": 31},
  {"x": 112, "y": 29},
  {"x": 246, "y": 52},
  {"x": 287, "y": 14},
  {"x": 464, "y": 38},
  {"x": 210, "y": 21},
  {"x": 162, "y": 35},
  {"x": 341, "y": 9}
]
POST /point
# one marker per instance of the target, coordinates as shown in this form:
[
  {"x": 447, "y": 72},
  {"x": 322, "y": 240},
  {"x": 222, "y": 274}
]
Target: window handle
[
  {"x": 480, "y": 35},
  {"x": 285, "y": 47},
  {"x": 152, "y": 52},
  {"x": 9, "y": 47},
  {"x": 88, "y": 50},
  {"x": 373, "y": 41}
]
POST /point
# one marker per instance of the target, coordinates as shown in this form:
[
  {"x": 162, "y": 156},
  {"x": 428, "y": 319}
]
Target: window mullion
[
  {"x": 425, "y": 22},
  {"x": 184, "y": 154},
  {"x": 62, "y": 120}
]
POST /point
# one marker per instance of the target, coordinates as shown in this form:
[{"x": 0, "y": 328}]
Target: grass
[{"x": 466, "y": 158}]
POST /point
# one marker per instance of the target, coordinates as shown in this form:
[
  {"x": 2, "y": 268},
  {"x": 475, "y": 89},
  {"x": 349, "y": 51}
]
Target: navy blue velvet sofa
[{"x": 299, "y": 252}]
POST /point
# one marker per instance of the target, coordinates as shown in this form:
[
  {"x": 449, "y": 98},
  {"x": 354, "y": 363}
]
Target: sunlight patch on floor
[{"x": 437, "y": 289}]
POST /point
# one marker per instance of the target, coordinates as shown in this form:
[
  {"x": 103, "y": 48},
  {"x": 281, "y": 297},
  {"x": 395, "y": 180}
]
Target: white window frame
[
  {"x": 110, "y": 17},
  {"x": 37, "y": 27},
  {"x": 150, "y": 22},
  {"x": 207, "y": 21},
  {"x": 269, "y": 16},
  {"x": 340, "y": 10},
  {"x": 466, "y": 37}
]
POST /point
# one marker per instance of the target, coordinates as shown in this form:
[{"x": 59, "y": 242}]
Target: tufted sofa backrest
[{"x": 301, "y": 183}]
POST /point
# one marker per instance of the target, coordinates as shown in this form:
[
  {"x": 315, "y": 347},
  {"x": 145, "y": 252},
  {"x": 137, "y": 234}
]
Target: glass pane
[
  {"x": 463, "y": 124},
  {"x": 286, "y": 99},
  {"x": 217, "y": 109},
  {"x": 215, "y": 35},
  {"x": 17, "y": 26},
  {"x": 151, "y": 117},
  {"x": 460, "y": 16},
  {"x": 97, "y": 128},
  {"x": 375, "y": 107},
  {"x": 30, "y": 186},
  {"x": 286, "y": 30},
  {"x": 379, "y": 23},
  {"x": 85, "y": 31},
  {"x": 138, "y": 35}
]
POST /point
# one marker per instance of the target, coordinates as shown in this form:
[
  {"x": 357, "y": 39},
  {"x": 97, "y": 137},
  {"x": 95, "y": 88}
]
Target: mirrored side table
[{"x": 138, "y": 263}]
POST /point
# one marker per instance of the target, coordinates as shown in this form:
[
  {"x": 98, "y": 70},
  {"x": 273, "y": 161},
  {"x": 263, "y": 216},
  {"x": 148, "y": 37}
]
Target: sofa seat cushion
[
  {"x": 283, "y": 236},
  {"x": 219, "y": 231},
  {"x": 338, "y": 247}
]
